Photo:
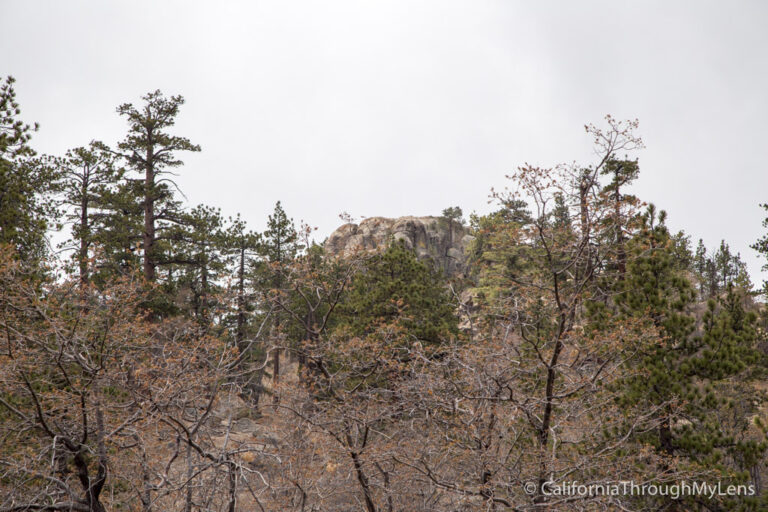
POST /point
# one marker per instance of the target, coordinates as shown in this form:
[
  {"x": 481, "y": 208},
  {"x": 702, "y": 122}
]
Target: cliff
[{"x": 434, "y": 239}]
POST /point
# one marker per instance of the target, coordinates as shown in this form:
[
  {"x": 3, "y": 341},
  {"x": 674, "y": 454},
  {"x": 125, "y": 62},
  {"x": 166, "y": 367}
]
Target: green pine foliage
[
  {"x": 239, "y": 249},
  {"x": 717, "y": 270},
  {"x": 697, "y": 363},
  {"x": 89, "y": 177},
  {"x": 496, "y": 260},
  {"x": 27, "y": 184},
  {"x": 761, "y": 246},
  {"x": 196, "y": 264},
  {"x": 151, "y": 151},
  {"x": 395, "y": 287},
  {"x": 278, "y": 246}
]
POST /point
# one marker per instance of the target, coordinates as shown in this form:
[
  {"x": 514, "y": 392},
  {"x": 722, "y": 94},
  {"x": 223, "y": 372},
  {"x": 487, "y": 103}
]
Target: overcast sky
[{"x": 406, "y": 107}]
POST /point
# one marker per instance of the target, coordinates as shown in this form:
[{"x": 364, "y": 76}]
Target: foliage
[
  {"x": 590, "y": 345},
  {"x": 692, "y": 369},
  {"x": 150, "y": 151},
  {"x": 88, "y": 408},
  {"x": 27, "y": 208},
  {"x": 395, "y": 285}
]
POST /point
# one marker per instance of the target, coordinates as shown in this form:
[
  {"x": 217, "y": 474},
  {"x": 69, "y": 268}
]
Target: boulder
[{"x": 433, "y": 239}]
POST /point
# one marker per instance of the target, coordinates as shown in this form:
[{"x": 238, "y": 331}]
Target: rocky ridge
[{"x": 433, "y": 239}]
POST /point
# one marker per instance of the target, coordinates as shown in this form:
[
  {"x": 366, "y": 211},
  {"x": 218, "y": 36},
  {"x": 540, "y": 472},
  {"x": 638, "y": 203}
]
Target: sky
[{"x": 406, "y": 107}]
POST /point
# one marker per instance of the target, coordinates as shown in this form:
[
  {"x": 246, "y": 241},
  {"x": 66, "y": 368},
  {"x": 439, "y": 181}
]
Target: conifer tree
[
  {"x": 727, "y": 264},
  {"x": 118, "y": 229},
  {"x": 682, "y": 366},
  {"x": 396, "y": 286},
  {"x": 718, "y": 271},
  {"x": 681, "y": 251},
  {"x": 241, "y": 247},
  {"x": 88, "y": 176},
  {"x": 700, "y": 266},
  {"x": 150, "y": 151},
  {"x": 280, "y": 243},
  {"x": 622, "y": 173},
  {"x": 196, "y": 252},
  {"x": 761, "y": 246},
  {"x": 451, "y": 217},
  {"x": 26, "y": 206},
  {"x": 494, "y": 262},
  {"x": 279, "y": 246}
]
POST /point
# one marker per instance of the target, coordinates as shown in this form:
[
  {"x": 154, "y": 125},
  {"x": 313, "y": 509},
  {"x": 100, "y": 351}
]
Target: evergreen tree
[
  {"x": 196, "y": 254},
  {"x": 150, "y": 151},
  {"x": 682, "y": 366},
  {"x": 561, "y": 217},
  {"x": 727, "y": 264},
  {"x": 621, "y": 173},
  {"x": 761, "y": 246},
  {"x": 452, "y": 217},
  {"x": 279, "y": 246},
  {"x": 681, "y": 251},
  {"x": 26, "y": 183},
  {"x": 718, "y": 271},
  {"x": 280, "y": 240},
  {"x": 700, "y": 261},
  {"x": 494, "y": 261},
  {"x": 88, "y": 176},
  {"x": 118, "y": 229},
  {"x": 394, "y": 286},
  {"x": 241, "y": 247}
]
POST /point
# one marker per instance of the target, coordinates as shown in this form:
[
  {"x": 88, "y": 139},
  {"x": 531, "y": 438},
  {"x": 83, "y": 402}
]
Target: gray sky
[{"x": 406, "y": 107}]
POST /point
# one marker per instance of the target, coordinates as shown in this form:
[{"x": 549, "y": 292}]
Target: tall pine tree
[
  {"x": 26, "y": 182},
  {"x": 89, "y": 175},
  {"x": 150, "y": 151}
]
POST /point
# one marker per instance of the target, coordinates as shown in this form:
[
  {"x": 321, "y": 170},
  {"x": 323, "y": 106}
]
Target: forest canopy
[{"x": 176, "y": 359}]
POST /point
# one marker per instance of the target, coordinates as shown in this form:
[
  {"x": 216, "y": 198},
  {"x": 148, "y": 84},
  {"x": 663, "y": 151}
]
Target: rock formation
[{"x": 434, "y": 239}]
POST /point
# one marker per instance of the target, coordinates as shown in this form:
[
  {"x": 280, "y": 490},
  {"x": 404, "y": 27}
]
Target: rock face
[{"x": 434, "y": 239}]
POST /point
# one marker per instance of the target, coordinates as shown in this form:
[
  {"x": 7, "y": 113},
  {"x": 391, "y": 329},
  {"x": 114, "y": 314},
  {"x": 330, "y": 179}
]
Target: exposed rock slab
[{"x": 434, "y": 239}]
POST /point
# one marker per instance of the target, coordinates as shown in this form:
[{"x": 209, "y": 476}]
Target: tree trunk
[
  {"x": 362, "y": 479},
  {"x": 149, "y": 220},
  {"x": 621, "y": 253},
  {"x": 275, "y": 378},
  {"x": 204, "y": 290},
  {"x": 240, "y": 333},
  {"x": 232, "y": 487},
  {"x": 82, "y": 255}
]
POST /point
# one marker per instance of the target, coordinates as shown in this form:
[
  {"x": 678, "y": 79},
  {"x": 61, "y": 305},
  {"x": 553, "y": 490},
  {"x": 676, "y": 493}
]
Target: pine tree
[
  {"x": 280, "y": 243},
  {"x": 761, "y": 246},
  {"x": 727, "y": 264},
  {"x": 150, "y": 151},
  {"x": 88, "y": 175},
  {"x": 681, "y": 251},
  {"x": 718, "y": 271},
  {"x": 241, "y": 247},
  {"x": 561, "y": 217},
  {"x": 196, "y": 255},
  {"x": 394, "y": 286},
  {"x": 700, "y": 260},
  {"x": 452, "y": 217},
  {"x": 682, "y": 365},
  {"x": 118, "y": 229},
  {"x": 279, "y": 246},
  {"x": 26, "y": 183},
  {"x": 622, "y": 173},
  {"x": 494, "y": 262}
]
